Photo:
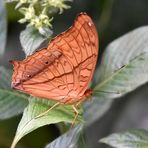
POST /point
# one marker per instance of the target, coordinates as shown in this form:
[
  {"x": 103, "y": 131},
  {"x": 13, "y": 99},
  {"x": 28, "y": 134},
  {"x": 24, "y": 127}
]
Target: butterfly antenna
[
  {"x": 109, "y": 92},
  {"x": 44, "y": 113}
]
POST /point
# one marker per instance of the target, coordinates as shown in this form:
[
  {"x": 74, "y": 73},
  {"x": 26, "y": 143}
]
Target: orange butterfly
[{"x": 63, "y": 70}]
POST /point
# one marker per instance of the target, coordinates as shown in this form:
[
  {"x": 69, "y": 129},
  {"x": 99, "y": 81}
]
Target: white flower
[
  {"x": 37, "y": 13},
  {"x": 28, "y": 12},
  {"x": 60, "y": 4}
]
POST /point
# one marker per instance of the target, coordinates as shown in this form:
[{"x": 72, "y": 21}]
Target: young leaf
[
  {"x": 130, "y": 139},
  {"x": 68, "y": 140},
  {"x": 124, "y": 65},
  {"x": 31, "y": 39},
  {"x": 11, "y": 102},
  {"x": 30, "y": 122},
  {"x": 3, "y": 27}
]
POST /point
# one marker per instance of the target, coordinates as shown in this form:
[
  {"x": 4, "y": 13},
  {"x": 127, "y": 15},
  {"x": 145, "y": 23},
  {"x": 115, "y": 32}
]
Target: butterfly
[{"x": 62, "y": 71}]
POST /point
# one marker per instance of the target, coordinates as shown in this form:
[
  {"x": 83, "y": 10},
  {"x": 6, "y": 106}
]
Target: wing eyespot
[
  {"x": 28, "y": 76},
  {"x": 46, "y": 62}
]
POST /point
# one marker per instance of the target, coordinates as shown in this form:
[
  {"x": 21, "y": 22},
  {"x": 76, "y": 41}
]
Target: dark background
[{"x": 113, "y": 18}]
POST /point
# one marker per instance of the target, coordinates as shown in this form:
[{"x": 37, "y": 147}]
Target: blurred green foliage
[{"x": 12, "y": 14}]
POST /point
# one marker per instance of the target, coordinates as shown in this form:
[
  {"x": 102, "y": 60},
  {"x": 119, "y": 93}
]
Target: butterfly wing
[
  {"x": 65, "y": 68},
  {"x": 79, "y": 44}
]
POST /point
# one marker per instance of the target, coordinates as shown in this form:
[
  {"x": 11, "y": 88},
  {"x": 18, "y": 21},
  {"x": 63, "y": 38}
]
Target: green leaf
[
  {"x": 123, "y": 68},
  {"x": 3, "y": 27},
  {"x": 12, "y": 103},
  {"x": 31, "y": 39},
  {"x": 30, "y": 122},
  {"x": 130, "y": 139},
  {"x": 95, "y": 108},
  {"x": 67, "y": 140},
  {"x": 124, "y": 65}
]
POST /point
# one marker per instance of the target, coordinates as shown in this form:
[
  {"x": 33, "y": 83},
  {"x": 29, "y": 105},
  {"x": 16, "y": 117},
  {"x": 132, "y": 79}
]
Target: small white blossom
[
  {"x": 23, "y": 1},
  {"x": 41, "y": 20},
  {"x": 37, "y": 12},
  {"x": 28, "y": 12},
  {"x": 60, "y": 4}
]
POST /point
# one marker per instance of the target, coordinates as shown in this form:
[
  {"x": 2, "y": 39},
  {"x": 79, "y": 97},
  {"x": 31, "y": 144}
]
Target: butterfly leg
[
  {"x": 44, "y": 113},
  {"x": 76, "y": 115},
  {"x": 77, "y": 105}
]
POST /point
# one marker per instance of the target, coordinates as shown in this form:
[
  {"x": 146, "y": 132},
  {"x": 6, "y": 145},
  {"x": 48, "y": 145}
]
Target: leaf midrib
[
  {"x": 117, "y": 72},
  {"x": 134, "y": 142}
]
